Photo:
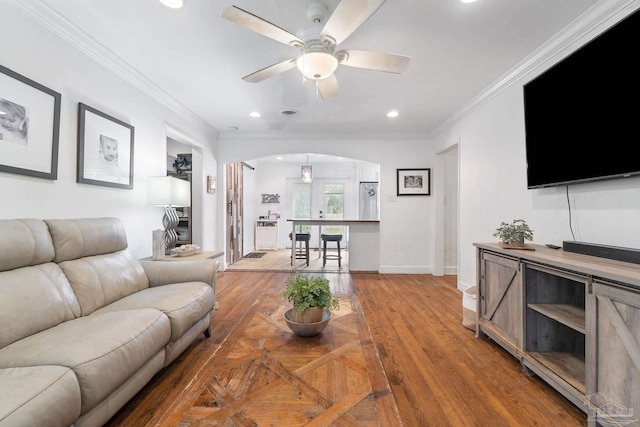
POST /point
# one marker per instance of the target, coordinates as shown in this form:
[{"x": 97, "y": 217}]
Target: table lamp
[{"x": 170, "y": 192}]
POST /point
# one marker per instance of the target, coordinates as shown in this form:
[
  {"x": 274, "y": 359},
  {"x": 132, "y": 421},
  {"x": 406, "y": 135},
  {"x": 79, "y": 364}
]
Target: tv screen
[{"x": 582, "y": 116}]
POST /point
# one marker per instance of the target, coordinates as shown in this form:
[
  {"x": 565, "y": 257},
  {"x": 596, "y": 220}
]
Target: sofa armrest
[{"x": 168, "y": 272}]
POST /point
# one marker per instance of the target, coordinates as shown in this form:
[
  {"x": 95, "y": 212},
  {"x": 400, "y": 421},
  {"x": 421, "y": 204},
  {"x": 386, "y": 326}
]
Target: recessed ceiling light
[
  {"x": 393, "y": 113},
  {"x": 279, "y": 158},
  {"x": 468, "y": 1},
  {"x": 173, "y": 4},
  {"x": 255, "y": 114}
]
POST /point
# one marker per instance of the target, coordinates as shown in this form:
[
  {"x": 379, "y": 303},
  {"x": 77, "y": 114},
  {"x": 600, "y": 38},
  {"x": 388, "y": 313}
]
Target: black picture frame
[
  {"x": 105, "y": 149},
  {"x": 414, "y": 182},
  {"x": 29, "y": 126}
]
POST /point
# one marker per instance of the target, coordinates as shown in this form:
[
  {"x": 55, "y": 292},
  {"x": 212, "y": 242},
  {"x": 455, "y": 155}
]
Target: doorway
[{"x": 323, "y": 198}]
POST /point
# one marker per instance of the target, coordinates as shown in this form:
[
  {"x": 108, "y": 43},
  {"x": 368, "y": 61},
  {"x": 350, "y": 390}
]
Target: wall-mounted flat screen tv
[{"x": 582, "y": 116}]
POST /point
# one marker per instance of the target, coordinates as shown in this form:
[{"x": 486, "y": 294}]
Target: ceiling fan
[{"x": 318, "y": 59}]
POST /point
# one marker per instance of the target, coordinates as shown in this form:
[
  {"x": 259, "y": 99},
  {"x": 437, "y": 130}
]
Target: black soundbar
[{"x": 611, "y": 252}]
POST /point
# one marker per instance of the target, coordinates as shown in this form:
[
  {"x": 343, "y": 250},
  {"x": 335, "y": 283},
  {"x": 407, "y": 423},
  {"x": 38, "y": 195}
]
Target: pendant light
[{"x": 307, "y": 174}]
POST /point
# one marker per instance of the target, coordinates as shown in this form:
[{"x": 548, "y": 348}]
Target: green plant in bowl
[{"x": 309, "y": 295}]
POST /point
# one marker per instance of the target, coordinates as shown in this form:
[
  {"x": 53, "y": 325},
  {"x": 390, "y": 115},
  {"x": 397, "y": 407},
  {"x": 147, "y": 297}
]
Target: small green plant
[
  {"x": 309, "y": 291},
  {"x": 514, "y": 233}
]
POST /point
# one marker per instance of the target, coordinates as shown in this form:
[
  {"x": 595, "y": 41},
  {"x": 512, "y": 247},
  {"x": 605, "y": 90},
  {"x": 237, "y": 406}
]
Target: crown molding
[
  {"x": 68, "y": 32},
  {"x": 334, "y": 135},
  {"x": 584, "y": 28}
]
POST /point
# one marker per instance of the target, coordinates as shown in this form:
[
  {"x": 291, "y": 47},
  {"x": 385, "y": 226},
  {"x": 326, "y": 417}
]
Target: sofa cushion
[
  {"x": 39, "y": 396},
  {"x": 24, "y": 242},
  {"x": 33, "y": 299},
  {"x": 76, "y": 238},
  {"x": 183, "y": 303},
  {"x": 103, "y": 350},
  {"x": 102, "y": 279}
]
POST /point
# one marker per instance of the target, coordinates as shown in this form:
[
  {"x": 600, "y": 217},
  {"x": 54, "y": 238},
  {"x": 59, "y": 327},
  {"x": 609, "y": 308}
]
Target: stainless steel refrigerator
[{"x": 368, "y": 200}]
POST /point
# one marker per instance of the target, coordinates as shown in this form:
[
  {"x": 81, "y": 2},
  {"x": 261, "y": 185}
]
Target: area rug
[
  {"x": 254, "y": 255},
  {"x": 264, "y": 375}
]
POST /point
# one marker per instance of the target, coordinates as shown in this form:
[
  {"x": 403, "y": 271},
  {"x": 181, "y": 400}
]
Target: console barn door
[
  {"x": 501, "y": 299},
  {"x": 613, "y": 394}
]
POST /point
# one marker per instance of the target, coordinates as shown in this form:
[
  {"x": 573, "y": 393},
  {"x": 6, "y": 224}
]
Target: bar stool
[
  {"x": 300, "y": 252},
  {"x": 331, "y": 238}
]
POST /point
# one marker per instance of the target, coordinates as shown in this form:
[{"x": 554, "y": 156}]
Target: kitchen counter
[{"x": 364, "y": 240}]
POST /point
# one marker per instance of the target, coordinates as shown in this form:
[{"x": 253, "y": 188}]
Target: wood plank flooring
[{"x": 439, "y": 373}]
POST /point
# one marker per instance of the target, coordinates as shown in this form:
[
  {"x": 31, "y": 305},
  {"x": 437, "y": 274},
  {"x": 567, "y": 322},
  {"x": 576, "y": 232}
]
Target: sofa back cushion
[
  {"x": 93, "y": 255},
  {"x": 34, "y": 293},
  {"x": 77, "y": 238},
  {"x": 102, "y": 279},
  {"x": 24, "y": 242}
]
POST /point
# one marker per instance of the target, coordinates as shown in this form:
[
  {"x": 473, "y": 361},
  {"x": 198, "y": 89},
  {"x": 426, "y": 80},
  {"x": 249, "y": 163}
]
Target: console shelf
[
  {"x": 566, "y": 314},
  {"x": 569, "y": 367},
  {"x": 571, "y": 319}
]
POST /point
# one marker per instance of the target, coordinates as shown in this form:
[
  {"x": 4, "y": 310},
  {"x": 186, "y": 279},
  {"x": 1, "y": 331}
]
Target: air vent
[{"x": 289, "y": 113}]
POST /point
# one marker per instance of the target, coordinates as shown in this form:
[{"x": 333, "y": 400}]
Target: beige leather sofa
[{"x": 83, "y": 324}]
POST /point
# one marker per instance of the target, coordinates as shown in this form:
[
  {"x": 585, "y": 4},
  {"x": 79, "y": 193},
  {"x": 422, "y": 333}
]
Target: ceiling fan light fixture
[
  {"x": 317, "y": 65},
  {"x": 173, "y": 4}
]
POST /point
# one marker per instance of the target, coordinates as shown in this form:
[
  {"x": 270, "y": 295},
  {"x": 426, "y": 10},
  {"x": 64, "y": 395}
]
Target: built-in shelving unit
[{"x": 184, "y": 228}]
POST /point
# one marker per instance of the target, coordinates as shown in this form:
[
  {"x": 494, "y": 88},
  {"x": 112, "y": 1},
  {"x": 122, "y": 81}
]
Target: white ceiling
[{"x": 199, "y": 58}]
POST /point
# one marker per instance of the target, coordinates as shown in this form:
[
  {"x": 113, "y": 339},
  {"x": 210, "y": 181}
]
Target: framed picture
[
  {"x": 414, "y": 182},
  {"x": 105, "y": 149},
  {"x": 29, "y": 126},
  {"x": 211, "y": 184}
]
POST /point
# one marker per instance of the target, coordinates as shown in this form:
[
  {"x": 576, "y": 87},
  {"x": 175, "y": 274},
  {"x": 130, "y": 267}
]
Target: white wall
[
  {"x": 493, "y": 182},
  {"x": 36, "y": 51},
  {"x": 405, "y": 222}
]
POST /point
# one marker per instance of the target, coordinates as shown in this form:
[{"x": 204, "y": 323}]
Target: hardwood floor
[{"x": 439, "y": 373}]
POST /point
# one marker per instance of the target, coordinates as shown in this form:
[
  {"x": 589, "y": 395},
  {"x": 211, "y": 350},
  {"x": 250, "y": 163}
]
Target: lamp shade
[{"x": 168, "y": 191}]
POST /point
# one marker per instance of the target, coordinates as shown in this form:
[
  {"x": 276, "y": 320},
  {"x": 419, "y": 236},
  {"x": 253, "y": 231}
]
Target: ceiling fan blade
[
  {"x": 379, "y": 61},
  {"x": 270, "y": 71},
  {"x": 256, "y": 24},
  {"x": 328, "y": 87},
  {"x": 348, "y": 16}
]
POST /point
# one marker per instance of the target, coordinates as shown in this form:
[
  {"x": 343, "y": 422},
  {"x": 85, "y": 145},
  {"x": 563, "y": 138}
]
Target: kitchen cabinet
[{"x": 266, "y": 234}]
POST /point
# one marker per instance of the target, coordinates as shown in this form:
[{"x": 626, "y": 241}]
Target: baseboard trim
[{"x": 404, "y": 269}]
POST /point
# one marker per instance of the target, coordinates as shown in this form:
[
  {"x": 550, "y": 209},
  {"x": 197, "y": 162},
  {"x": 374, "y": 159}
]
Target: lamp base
[{"x": 170, "y": 221}]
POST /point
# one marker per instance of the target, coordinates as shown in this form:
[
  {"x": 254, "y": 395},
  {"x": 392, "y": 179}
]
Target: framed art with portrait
[
  {"x": 105, "y": 149},
  {"x": 29, "y": 126}
]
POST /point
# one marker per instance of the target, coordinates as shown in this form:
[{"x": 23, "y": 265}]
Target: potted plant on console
[
  {"x": 312, "y": 304},
  {"x": 514, "y": 234}
]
